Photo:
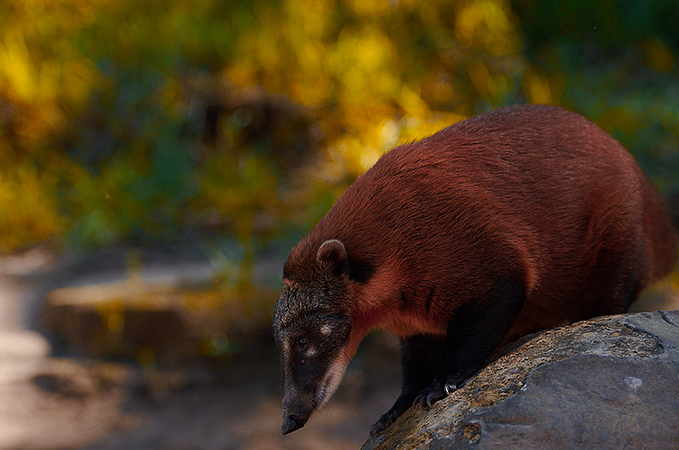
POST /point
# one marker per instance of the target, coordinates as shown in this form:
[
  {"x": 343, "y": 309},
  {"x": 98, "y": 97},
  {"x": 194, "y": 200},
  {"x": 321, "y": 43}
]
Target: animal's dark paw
[
  {"x": 385, "y": 422},
  {"x": 436, "y": 391},
  {"x": 402, "y": 404}
]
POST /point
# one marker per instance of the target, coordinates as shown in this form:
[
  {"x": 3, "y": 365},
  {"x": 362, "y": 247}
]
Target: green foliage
[
  {"x": 613, "y": 24},
  {"x": 138, "y": 194},
  {"x": 127, "y": 120},
  {"x": 615, "y": 63}
]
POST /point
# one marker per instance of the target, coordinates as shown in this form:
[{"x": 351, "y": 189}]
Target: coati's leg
[
  {"x": 616, "y": 278},
  {"x": 421, "y": 357},
  {"x": 473, "y": 333}
]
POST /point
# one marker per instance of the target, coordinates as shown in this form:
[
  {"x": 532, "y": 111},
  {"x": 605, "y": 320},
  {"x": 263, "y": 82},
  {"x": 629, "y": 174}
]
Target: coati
[{"x": 501, "y": 225}]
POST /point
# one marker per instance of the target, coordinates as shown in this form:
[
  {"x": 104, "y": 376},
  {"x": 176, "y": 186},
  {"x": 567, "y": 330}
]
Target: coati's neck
[{"x": 372, "y": 302}]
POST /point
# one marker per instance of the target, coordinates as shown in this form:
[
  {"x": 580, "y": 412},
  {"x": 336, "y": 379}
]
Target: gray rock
[{"x": 610, "y": 382}]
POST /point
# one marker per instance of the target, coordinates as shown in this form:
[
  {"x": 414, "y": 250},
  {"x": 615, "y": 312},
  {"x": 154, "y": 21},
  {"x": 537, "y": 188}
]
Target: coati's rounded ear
[{"x": 332, "y": 256}]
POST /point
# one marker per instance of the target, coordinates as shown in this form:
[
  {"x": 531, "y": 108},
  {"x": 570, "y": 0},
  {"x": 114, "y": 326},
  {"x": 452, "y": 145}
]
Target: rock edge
[{"x": 609, "y": 382}]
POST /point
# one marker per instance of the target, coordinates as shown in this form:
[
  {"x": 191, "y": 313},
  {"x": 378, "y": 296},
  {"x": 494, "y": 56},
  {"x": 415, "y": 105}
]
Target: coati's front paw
[
  {"x": 385, "y": 421},
  {"x": 436, "y": 391},
  {"x": 403, "y": 402}
]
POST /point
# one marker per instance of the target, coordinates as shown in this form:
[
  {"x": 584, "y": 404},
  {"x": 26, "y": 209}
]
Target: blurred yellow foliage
[
  {"x": 413, "y": 129},
  {"x": 29, "y": 209},
  {"x": 370, "y": 8},
  {"x": 351, "y": 155},
  {"x": 16, "y": 66},
  {"x": 50, "y": 67},
  {"x": 484, "y": 82},
  {"x": 538, "y": 89},
  {"x": 489, "y": 25},
  {"x": 252, "y": 189}
]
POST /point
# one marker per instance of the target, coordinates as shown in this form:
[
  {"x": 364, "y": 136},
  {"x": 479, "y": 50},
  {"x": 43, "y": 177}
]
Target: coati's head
[{"x": 312, "y": 327}]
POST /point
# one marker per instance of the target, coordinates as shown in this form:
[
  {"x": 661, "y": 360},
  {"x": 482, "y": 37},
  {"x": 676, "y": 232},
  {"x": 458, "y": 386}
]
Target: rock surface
[{"x": 610, "y": 382}]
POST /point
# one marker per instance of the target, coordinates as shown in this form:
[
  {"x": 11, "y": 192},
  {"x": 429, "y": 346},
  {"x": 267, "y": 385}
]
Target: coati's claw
[
  {"x": 435, "y": 392},
  {"x": 429, "y": 396},
  {"x": 449, "y": 388}
]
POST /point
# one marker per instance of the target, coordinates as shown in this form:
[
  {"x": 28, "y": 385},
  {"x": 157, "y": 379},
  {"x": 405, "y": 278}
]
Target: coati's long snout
[
  {"x": 304, "y": 391},
  {"x": 300, "y": 400},
  {"x": 294, "y": 416},
  {"x": 312, "y": 370},
  {"x": 292, "y": 422}
]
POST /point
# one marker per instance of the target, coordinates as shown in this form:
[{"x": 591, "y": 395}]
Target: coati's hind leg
[
  {"x": 615, "y": 281},
  {"x": 473, "y": 333},
  {"x": 421, "y": 357}
]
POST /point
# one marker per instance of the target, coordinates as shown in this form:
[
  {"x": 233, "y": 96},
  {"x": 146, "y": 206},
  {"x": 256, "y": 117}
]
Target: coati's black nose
[{"x": 291, "y": 423}]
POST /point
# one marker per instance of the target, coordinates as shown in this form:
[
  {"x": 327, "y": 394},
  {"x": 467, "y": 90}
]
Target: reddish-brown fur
[{"x": 528, "y": 192}]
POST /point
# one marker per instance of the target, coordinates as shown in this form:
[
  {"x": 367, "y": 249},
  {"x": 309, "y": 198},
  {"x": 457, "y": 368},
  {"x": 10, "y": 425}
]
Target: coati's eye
[{"x": 302, "y": 343}]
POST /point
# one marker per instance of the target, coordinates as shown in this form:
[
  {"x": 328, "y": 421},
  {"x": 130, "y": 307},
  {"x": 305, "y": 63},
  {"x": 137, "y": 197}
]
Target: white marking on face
[{"x": 326, "y": 330}]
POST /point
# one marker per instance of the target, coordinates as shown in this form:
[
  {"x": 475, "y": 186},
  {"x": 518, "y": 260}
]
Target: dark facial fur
[{"x": 312, "y": 328}]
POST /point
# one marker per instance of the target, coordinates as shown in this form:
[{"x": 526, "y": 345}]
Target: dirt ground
[
  {"x": 243, "y": 411},
  {"x": 49, "y": 402},
  {"x": 66, "y": 403}
]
